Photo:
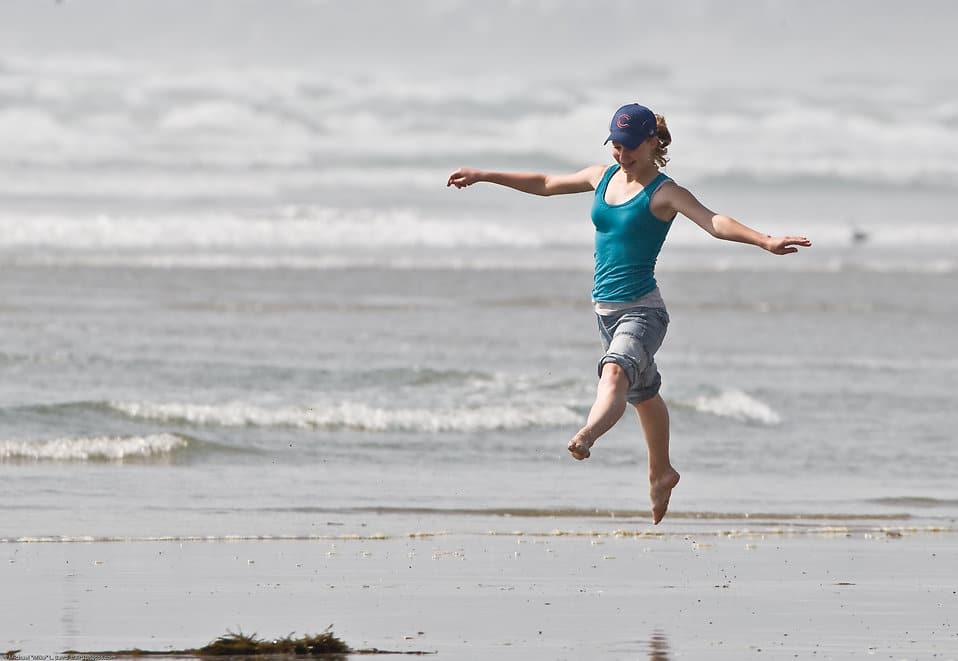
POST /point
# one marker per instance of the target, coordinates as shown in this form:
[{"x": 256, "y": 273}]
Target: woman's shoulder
[
  {"x": 664, "y": 199},
  {"x": 667, "y": 186},
  {"x": 597, "y": 173}
]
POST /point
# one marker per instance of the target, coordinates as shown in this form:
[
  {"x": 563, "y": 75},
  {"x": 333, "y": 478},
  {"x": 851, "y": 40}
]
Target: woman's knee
[
  {"x": 614, "y": 376},
  {"x": 653, "y": 406}
]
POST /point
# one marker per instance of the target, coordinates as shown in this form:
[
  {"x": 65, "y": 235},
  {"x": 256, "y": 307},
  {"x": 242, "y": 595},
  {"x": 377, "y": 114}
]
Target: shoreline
[
  {"x": 381, "y": 523},
  {"x": 498, "y": 595}
]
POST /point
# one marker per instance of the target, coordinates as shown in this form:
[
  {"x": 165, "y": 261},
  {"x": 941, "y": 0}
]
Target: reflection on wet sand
[{"x": 659, "y": 647}]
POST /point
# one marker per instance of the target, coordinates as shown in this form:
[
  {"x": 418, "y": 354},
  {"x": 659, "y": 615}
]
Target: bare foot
[
  {"x": 580, "y": 446},
  {"x": 660, "y": 492}
]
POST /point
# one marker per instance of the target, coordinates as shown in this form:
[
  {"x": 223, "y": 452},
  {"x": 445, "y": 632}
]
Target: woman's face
[{"x": 634, "y": 159}]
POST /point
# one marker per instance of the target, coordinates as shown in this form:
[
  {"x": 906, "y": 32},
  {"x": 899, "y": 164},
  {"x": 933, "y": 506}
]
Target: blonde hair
[{"x": 665, "y": 139}]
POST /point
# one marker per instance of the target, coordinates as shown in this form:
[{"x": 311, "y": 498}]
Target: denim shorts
[{"x": 630, "y": 339}]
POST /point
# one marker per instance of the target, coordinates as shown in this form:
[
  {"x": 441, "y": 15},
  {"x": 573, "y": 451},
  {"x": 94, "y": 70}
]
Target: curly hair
[{"x": 665, "y": 139}]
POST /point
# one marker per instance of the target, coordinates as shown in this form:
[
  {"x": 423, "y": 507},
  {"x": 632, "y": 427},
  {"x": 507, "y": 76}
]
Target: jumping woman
[{"x": 635, "y": 204}]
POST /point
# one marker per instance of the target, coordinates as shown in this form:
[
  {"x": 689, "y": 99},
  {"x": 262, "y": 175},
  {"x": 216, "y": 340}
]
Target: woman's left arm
[{"x": 680, "y": 200}]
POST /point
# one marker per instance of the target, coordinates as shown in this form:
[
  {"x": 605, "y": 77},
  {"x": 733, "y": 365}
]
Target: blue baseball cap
[{"x": 631, "y": 125}]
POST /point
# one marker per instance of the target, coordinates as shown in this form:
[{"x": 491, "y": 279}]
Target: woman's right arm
[{"x": 535, "y": 184}]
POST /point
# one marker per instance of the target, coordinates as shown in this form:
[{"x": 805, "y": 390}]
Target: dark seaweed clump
[
  {"x": 325, "y": 645},
  {"x": 238, "y": 644}
]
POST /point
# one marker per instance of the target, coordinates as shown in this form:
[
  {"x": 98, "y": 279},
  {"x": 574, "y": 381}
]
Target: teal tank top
[{"x": 628, "y": 239}]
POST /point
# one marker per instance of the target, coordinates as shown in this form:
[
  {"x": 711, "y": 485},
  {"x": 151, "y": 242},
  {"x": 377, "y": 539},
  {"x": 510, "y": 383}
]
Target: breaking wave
[
  {"x": 98, "y": 448},
  {"x": 737, "y": 405},
  {"x": 352, "y": 416}
]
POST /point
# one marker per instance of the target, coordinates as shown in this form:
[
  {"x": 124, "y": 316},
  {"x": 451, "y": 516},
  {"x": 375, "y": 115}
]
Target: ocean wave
[
  {"x": 503, "y": 258},
  {"x": 97, "y": 448},
  {"x": 296, "y": 230},
  {"x": 317, "y": 236},
  {"x": 269, "y": 119},
  {"x": 786, "y": 362},
  {"x": 917, "y": 502},
  {"x": 737, "y": 405},
  {"x": 352, "y": 416}
]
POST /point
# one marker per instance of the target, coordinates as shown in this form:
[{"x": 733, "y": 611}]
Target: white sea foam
[
  {"x": 210, "y": 143},
  {"x": 862, "y": 363},
  {"x": 737, "y": 405},
  {"x": 109, "y": 448},
  {"x": 263, "y": 121},
  {"x": 321, "y": 237},
  {"x": 353, "y": 416},
  {"x": 562, "y": 258},
  {"x": 299, "y": 229}
]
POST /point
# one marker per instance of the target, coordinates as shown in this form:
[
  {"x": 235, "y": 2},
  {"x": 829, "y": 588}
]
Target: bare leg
[
  {"x": 608, "y": 408},
  {"x": 654, "y": 416}
]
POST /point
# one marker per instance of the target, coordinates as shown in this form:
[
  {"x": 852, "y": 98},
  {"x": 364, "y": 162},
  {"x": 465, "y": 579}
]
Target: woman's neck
[{"x": 642, "y": 176}]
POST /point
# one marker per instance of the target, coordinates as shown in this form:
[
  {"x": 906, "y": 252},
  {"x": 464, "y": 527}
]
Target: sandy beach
[{"x": 625, "y": 594}]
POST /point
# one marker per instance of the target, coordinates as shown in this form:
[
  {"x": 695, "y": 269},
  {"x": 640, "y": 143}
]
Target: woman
[{"x": 633, "y": 210}]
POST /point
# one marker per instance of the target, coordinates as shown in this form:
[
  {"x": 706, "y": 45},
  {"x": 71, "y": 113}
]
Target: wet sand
[{"x": 624, "y": 595}]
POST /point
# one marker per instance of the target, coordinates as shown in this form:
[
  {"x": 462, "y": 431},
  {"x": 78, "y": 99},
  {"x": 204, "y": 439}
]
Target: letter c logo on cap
[{"x": 622, "y": 121}]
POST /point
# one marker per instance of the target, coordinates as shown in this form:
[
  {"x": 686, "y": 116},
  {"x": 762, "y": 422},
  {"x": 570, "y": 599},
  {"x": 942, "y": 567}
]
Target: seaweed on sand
[
  {"x": 325, "y": 645},
  {"x": 239, "y": 644}
]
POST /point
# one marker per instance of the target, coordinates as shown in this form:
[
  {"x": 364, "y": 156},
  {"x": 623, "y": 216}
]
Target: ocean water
[{"x": 238, "y": 300}]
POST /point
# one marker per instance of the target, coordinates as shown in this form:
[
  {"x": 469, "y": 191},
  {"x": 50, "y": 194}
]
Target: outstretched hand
[
  {"x": 463, "y": 177},
  {"x": 783, "y": 245}
]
